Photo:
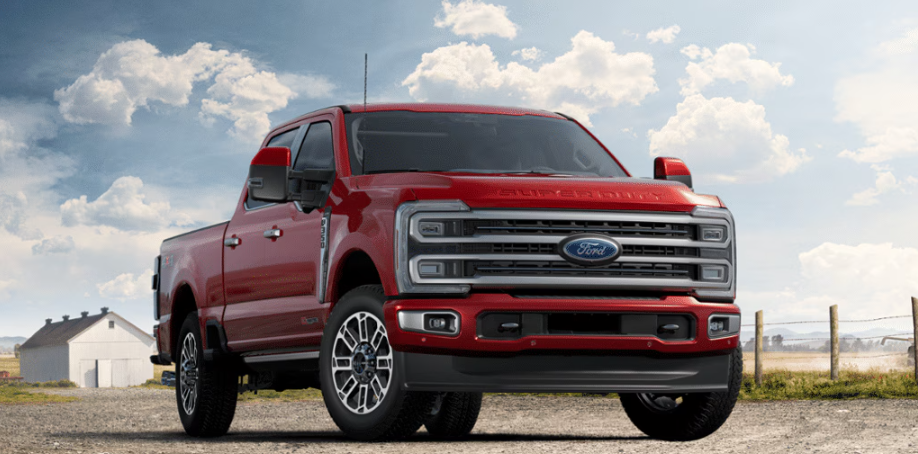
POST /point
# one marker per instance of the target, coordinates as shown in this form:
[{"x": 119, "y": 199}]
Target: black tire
[
  {"x": 456, "y": 416},
  {"x": 398, "y": 413},
  {"x": 696, "y": 416},
  {"x": 213, "y": 403}
]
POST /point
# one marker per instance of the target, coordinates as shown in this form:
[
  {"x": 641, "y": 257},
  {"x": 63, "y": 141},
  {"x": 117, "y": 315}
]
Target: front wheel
[
  {"x": 684, "y": 417},
  {"x": 359, "y": 374}
]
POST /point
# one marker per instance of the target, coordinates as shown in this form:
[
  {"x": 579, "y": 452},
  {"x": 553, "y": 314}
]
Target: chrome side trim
[
  {"x": 322, "y": 278},
  {"x": 281, "y": 357}
]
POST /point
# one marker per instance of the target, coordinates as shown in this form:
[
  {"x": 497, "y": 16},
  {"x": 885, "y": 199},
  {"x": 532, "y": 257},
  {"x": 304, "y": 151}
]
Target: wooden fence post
[
  {"x": 915, "y": 326},
  {"x": 759, "y": 325},
  {"x": 833, "y": 327}
]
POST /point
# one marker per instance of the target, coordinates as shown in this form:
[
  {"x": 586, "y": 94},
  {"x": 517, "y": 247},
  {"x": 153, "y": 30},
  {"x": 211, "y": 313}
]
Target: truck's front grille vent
[
  {"x": 659, "y": 251},
  {"x": 560, "y": 268},
  {"x": 570, "y": 227},
  {"x": 543, "y": 248}
]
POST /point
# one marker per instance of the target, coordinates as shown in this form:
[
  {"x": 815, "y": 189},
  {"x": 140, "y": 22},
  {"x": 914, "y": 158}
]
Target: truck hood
[{"x": 543, "y": 191}]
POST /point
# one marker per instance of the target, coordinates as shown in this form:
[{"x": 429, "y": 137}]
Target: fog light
[
  {"x": 723, "y": 325},
  {"x": 432, "y": 322},
  {"x": 713, "y": 233},
  {"x": 717, "y": 325},
  {"x": 713, "y": 273}
]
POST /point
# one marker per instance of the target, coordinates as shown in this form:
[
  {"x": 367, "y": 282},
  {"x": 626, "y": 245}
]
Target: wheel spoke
[
  {"x": 378, "y": 336},
  {"x": 362, "y": 328},
  {"x": 348, "y": 338},
  {"x": 340, "y": 363}
]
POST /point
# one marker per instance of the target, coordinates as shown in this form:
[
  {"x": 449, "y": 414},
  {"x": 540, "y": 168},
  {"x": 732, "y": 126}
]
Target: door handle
[
  {"x": 232, "y": 242},
  {"x": 273, "y": 233}
]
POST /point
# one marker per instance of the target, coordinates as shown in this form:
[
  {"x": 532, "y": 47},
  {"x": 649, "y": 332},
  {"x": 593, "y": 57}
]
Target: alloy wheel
[
  {"x": 361, "y": 363},
  {"x": 188, "y": 374}
]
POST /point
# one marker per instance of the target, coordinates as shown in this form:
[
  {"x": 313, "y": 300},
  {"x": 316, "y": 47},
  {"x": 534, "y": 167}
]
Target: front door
[{"x": 271, "y": 288}]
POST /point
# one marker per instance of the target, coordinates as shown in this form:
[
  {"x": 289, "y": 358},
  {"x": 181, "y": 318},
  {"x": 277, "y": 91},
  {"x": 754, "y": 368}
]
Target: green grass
[
  {"x": 786, "y": 385},
  {"x": 18, "y": 393}
]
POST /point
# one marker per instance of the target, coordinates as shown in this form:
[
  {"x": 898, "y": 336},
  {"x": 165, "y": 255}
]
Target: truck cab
[{"x": 406, "y": 258}]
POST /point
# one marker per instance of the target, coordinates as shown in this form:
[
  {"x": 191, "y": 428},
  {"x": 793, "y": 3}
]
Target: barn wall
[
  {"x": 44, "y": 364},
  {"x": 124, "y": 352}
]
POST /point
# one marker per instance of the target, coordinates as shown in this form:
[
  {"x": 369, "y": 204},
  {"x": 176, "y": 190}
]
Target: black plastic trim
[{"x": 564, "y": 373}]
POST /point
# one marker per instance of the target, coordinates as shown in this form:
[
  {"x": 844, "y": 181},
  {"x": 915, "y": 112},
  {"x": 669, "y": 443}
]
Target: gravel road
[{"x": 140, "y": 420}]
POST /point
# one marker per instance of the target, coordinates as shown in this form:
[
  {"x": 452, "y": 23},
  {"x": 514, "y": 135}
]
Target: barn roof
[{"x": 59, "y": 333}]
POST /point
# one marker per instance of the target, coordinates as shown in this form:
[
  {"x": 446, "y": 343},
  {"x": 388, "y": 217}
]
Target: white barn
[{"x": 93, "y": 351}]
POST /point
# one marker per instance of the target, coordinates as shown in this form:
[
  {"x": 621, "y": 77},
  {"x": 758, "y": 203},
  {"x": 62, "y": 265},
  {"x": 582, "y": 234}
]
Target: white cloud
[
  {"x": 886, "y": 182},
  {"x": 883, "y": 102},
  {"x": 26, "y": 169},
  {"x": 127, "y": 287},
  {"x": 729, "y": 141},
  {"x": 529, "y": 54},
  {"x": 476, "y": 19},
  {"x": 732, "y": 62},
  {"x": 905, "y": 44},
  {"x": 310, "y": 86},
  {"x": 589, "y": 77},
  {"x": 692, "y": 51},
  {"x": 55, "y": 245},
  {"x": 865, "y": 269},
  {"x": 132, "y": 74},
  {"x": 121, "y": 206},
  {"x": 5, "y": 287},
  {"x": 665, "y": 35}
]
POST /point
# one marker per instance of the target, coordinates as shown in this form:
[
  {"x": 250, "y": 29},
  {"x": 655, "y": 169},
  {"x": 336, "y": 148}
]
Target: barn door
[
  {"x": 104, "y": 367},
  {"x": 121, "y": 373},
  {"x": 88, "y": 373}
]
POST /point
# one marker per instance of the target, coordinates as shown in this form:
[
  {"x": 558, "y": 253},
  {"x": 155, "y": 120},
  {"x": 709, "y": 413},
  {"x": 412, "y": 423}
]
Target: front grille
[
  {"x": 474, "y": 268},
  {"x": 570, "y": 227},
  {"x": 544, "y": 248}
]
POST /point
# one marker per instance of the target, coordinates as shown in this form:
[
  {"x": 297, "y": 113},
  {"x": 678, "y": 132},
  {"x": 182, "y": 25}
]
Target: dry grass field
[
  {"x": 812, "y": 361},
  {"x": 10, "y": 364}
]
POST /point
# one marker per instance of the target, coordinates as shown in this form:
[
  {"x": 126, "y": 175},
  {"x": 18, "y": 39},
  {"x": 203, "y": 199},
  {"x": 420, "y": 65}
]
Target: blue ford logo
[{"x": 588, "y": 249}]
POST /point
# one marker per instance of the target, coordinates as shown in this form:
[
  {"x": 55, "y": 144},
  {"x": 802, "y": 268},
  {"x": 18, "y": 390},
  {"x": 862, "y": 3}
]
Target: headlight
[
  {"x": 426, "y": 268},
  {"x": 716, "y": 233}
]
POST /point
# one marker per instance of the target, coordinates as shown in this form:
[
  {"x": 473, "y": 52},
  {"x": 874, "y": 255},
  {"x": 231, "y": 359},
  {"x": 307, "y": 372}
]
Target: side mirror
[
  {"x": 268, "y": 174},
  {"x": 672, "y": 169}
]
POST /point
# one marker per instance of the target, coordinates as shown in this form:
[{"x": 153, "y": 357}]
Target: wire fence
[{"x": 879, "y": 343}]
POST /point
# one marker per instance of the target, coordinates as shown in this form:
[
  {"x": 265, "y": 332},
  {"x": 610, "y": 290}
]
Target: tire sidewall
[{"x": 360, "y": 300}]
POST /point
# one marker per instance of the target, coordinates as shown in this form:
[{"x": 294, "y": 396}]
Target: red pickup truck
[{"x": 406, "y": 258}]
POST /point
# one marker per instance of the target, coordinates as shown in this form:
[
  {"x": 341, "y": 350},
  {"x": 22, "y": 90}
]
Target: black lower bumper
[{"x": 560, "y": 374}]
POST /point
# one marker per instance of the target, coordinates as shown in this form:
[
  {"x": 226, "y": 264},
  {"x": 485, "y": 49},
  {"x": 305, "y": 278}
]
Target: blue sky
[{"x": 123, "y": 123}]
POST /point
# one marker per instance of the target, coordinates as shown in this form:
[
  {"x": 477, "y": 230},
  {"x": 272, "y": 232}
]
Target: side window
[
  {"x": 281, "y": 140},
  {"x": 317, "y": 151}
]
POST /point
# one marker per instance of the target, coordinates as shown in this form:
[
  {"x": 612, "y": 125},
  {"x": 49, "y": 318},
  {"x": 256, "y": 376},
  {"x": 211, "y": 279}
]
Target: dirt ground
[{"x": 138, "y": 420}]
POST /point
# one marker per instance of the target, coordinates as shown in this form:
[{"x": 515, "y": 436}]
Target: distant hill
[{"x": 9, "y": 342}]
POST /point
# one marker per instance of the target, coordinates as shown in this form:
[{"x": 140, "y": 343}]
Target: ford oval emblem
[{"x": 590, "y": 250}]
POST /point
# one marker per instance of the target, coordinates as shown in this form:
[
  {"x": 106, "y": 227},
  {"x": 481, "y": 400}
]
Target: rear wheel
[
  {"x": 205, "y": 393},
  {"x": 455, "y": 417},
  {"x": 683, "y": 417},
  {"x": 359, "y": 375}
]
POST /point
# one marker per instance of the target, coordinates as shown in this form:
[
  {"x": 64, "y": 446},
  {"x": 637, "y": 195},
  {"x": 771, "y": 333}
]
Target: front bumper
[
  {"x": 561, "y": 373},
  {"x": 468, "y": 342}
]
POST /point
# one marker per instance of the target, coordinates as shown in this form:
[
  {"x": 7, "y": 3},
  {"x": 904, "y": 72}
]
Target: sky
[{"x": 123, "y": 123}]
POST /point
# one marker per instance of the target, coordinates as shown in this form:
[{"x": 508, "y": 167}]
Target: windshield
[{"x": 399, "y": 141}]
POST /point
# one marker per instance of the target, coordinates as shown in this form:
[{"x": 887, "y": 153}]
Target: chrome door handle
[
  {"x": 273, "y": 233},
  {"x": 232, "y": 242}
]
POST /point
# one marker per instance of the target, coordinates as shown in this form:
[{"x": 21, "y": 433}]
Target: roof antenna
[{"x": 363, "y": 162}]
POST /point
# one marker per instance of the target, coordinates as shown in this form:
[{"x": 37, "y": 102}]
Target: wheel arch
[{"x": 355, "y": 268}]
